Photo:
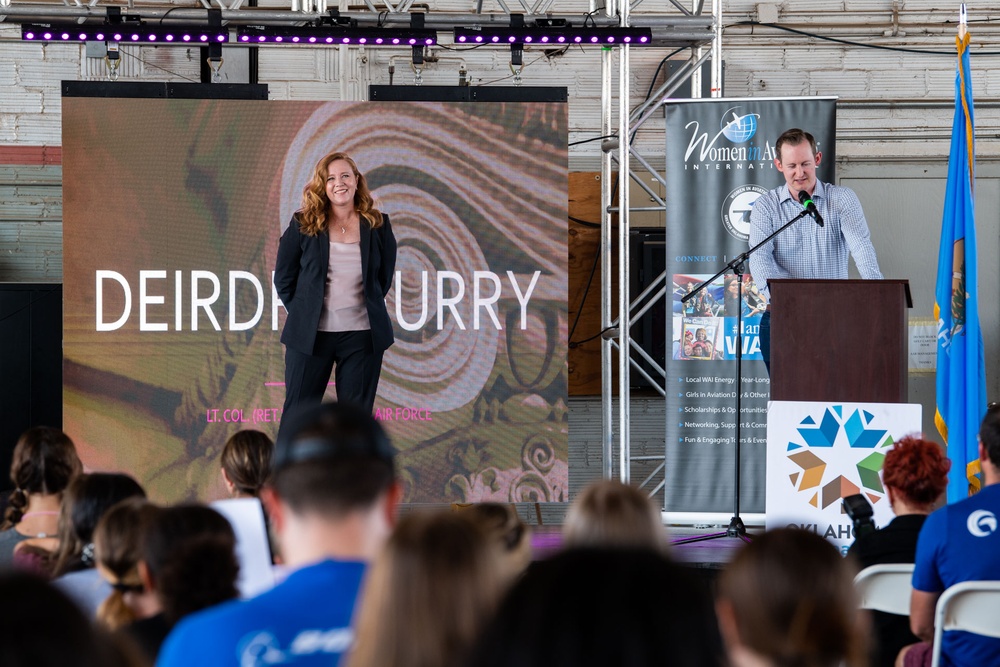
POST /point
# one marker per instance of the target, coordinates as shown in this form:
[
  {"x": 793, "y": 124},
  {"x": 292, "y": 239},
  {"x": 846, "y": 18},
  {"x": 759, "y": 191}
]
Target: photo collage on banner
[
  {"x": 719, "y": 159},
  {"x": 172, "y": 214}
]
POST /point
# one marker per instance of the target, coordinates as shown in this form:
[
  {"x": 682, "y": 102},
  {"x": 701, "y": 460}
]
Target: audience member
[
  {"x": 188, "y": 563},
  {"x": 246, "y": 463},
  {"x": 86, "y": 500},
  {"x": 428, "y": 595},
  {"x": 44, "y": 462},
  {"x": 597, "y": 607},
  {"x": 915, "y": 474},
  {"x": 117, "y": 551},
  {"x": 41, "y": 627},
  {"x": 612, "y": 514},
  {"x": 332, "y": 499},
  {"x": 959, "y": 542},
  {"x": 505, "y": 530},
  {"x": 787, "y": 598}
]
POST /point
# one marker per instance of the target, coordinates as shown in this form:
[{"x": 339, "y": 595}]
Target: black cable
[
  {"x": 509, "y": 76},
  {"x": 585, "y": 223},
  {"x": 587, "y": 141},
  {"x": 847, "y": 42},
  {"x": 587, "y": 340},
  {"x": 167, "y": 12},
  {"x": 467, "y": 48}
]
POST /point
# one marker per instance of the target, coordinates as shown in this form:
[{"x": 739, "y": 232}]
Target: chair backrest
[
  {"x": 886, "y": 587},
  {"x": 972, "y": 606}
]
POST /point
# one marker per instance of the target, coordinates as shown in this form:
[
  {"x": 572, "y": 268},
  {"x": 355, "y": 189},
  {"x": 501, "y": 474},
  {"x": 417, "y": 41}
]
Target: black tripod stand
[{"x": 736, "y": 528}]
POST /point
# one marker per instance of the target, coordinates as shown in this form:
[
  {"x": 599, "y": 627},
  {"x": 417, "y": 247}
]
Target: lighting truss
[
  {"x": 335, "y": 35},
  {"x": 124, "y": 33},
  {"x": 558, "y": 35}
]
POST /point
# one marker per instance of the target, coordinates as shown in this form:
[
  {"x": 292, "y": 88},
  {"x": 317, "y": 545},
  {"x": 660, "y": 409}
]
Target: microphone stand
[{"x": 736, "y": 527}]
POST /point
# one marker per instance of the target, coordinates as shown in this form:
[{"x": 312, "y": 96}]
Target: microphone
[{"x": 808, "y": 204}]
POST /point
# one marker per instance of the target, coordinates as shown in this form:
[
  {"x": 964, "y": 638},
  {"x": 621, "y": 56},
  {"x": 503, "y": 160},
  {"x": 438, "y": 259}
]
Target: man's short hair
[
  {"x": 794, "y": 137},
  {"x": 989, "y": 433},
  {"x": 332, "y": 459}
]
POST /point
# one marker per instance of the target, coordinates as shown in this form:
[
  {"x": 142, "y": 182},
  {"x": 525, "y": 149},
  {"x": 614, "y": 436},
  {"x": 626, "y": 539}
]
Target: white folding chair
[
  {"x": 972, "y": 606},
  {"x": 886, "y": 587}
]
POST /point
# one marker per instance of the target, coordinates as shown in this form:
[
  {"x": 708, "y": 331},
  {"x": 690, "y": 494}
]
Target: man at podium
[{"x": 816, "y": 246}]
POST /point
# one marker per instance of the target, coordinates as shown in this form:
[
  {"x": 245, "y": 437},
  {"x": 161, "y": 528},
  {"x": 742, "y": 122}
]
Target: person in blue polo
[
  {"x": 959, "y": 542},
  {"x": 333, "y": 499}
]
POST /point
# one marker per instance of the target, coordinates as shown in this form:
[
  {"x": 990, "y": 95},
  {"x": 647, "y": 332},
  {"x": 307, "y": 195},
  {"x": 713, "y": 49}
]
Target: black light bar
[
  {"x": 125, "y": 32},
  {"x": 335, "y": 36},
  {"x": 558, "y": 35}
]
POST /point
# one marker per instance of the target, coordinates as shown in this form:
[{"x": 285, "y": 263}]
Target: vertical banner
[
  {"x": 172, "y": 214},
  {"x": 719, "y": 158}
]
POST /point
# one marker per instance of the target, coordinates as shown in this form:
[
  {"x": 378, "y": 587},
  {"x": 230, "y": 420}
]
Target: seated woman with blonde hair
[{"x": 608, "y": 513}]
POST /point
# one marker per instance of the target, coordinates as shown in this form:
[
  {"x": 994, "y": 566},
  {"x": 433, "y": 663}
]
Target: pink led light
[
  {"x": 203, "y": 38},
  {"x": 461, "y": 38},
  {"x": 118, "y": 37},
  {"x": 545, "y": 39},
  {"x": 495, "y": 38},
  {"x": 379, "y": 40},
  {"x": 428, "y": 41},
  {"x": 262, "y": 38},
  {"x": 578, "y": 39},
  {"x": 312, "y": 40},
  {"x": 512, "y": 39},
  {"x": 65, "y": 35},
  {"x": 362, "y": 40},
  {"x": 593, "y": 39},
  {"x": 560, "y": 39},
  {"x": 278, "y": 39},
  {"x": 346, "y": 40},
  {"x": 29, "y": 35},
  {"x": 220, "y": 38},
  {"x": 527, "y": 39},
  {"x": 611, "y": 38},
  {"x": 100, "y": 36},
  {"x": 412, "y": 41},
  {"x": 329, "y": 40},
  {"x": 395, "y": 40},
  {"x": 626, "y": 39},
  {"x": 643, "y": 39},
  {"x": 295, "y": 39},
  {"x": 186, "y": 38}
]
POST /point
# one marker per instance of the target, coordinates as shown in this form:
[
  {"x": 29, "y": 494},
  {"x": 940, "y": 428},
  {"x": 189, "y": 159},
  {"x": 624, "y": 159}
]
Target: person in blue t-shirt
[
  {"x": 332, "y": 499},
  {"x": 959, "y": 542}
]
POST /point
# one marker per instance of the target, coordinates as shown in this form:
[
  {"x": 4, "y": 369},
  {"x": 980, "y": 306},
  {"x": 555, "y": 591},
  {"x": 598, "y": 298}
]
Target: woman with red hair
[{"x": 915, "y": 474}]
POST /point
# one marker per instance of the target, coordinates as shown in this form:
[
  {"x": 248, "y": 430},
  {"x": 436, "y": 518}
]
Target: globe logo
[{"x": 738, "y": 129}]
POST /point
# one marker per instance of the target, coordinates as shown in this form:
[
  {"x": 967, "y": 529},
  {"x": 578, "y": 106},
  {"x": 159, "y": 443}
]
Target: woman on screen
[{"x": 335, "y": 265}]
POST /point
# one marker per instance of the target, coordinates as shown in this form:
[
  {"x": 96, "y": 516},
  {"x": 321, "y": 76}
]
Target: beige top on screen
[{"x": 344, "y": 297}]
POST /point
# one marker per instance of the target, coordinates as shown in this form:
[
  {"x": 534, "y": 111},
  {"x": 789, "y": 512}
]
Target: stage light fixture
[
  {"x": 554, "y": 36},
  {"x": 335, "y": 36},
  {"x": 125, "y": 32}
]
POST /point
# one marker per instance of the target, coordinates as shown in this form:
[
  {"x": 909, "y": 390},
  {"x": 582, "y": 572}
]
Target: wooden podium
[{"x": 839, "y": 340}]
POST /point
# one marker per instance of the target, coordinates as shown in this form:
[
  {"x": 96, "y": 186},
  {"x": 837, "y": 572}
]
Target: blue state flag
[{"x": 961, "y": 367}]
